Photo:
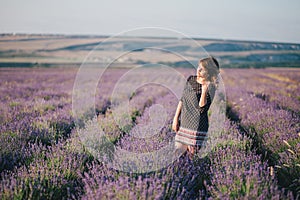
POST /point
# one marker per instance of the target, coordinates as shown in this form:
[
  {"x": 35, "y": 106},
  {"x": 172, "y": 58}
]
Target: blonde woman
[{"x": 191, "y": 120}]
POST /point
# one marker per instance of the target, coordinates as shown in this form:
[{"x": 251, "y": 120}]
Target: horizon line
[{"x": 129, "y": 36}]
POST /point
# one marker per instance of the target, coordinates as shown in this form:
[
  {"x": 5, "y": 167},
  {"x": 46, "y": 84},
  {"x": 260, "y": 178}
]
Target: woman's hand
[
  {"x": 175, "y": 125},
  {"x": 205, "y": 86},
  {"x": 204, "y": 92}
]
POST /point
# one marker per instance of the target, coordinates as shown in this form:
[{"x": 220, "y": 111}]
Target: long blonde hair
[{"x": 212, "y": 66}]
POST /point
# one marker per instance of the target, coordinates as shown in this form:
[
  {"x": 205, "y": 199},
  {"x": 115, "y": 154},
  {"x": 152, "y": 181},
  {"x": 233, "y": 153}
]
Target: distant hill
[{"x": 25, "y": 50}]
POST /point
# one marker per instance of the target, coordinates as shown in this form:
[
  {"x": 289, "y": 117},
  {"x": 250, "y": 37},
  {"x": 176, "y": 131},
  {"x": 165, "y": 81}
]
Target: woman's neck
[{"x": 200, "y": 80}]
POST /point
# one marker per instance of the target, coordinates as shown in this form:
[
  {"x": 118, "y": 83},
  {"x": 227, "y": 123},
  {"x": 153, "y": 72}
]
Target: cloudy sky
[{"x": 268, "y": 20}]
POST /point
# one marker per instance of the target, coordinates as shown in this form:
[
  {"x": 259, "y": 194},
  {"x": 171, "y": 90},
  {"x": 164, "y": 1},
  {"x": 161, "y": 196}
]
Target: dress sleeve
[{"x": 185, "y": 88}]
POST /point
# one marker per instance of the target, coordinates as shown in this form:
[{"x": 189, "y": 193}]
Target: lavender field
[{"x": 43, "y": 154}]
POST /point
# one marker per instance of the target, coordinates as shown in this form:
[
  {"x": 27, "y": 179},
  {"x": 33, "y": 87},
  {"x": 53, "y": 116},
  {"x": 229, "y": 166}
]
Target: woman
[{"x": 191, "y": 120}]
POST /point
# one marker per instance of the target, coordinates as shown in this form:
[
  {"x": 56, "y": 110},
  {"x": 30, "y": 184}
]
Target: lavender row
[
  {"x": 277, "y": 86},
  {"x": 274, "y": 129},
  {"x": 153, "y": 129},
  {"x": 53, "y": 175},
  {"x": 119, "y": 120},
  {"x": 34, "y": 108},
  {"x": 236, "y": 172}
]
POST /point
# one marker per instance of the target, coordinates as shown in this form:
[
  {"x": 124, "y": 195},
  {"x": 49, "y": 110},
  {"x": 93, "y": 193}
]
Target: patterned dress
[{"x": 193, "y": 118}]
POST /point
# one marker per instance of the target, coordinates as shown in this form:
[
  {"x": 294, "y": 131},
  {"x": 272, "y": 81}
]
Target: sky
[{"x": 255, "y": 20}]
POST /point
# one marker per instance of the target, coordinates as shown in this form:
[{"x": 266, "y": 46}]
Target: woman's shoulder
[{"x": 191, "y": 78}]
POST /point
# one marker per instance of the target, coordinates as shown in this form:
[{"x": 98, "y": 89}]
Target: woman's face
[{"x": 202, "y": 72}]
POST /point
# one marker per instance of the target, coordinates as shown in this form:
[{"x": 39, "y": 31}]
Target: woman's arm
[
  {"x": 203, "y": 98},
  {"x": 175, "y": 125}
]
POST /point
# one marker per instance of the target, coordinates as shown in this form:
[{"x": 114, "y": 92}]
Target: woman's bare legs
[
  {"x": 180, "y": 148},
  {"x": 192, "y": 150}
]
